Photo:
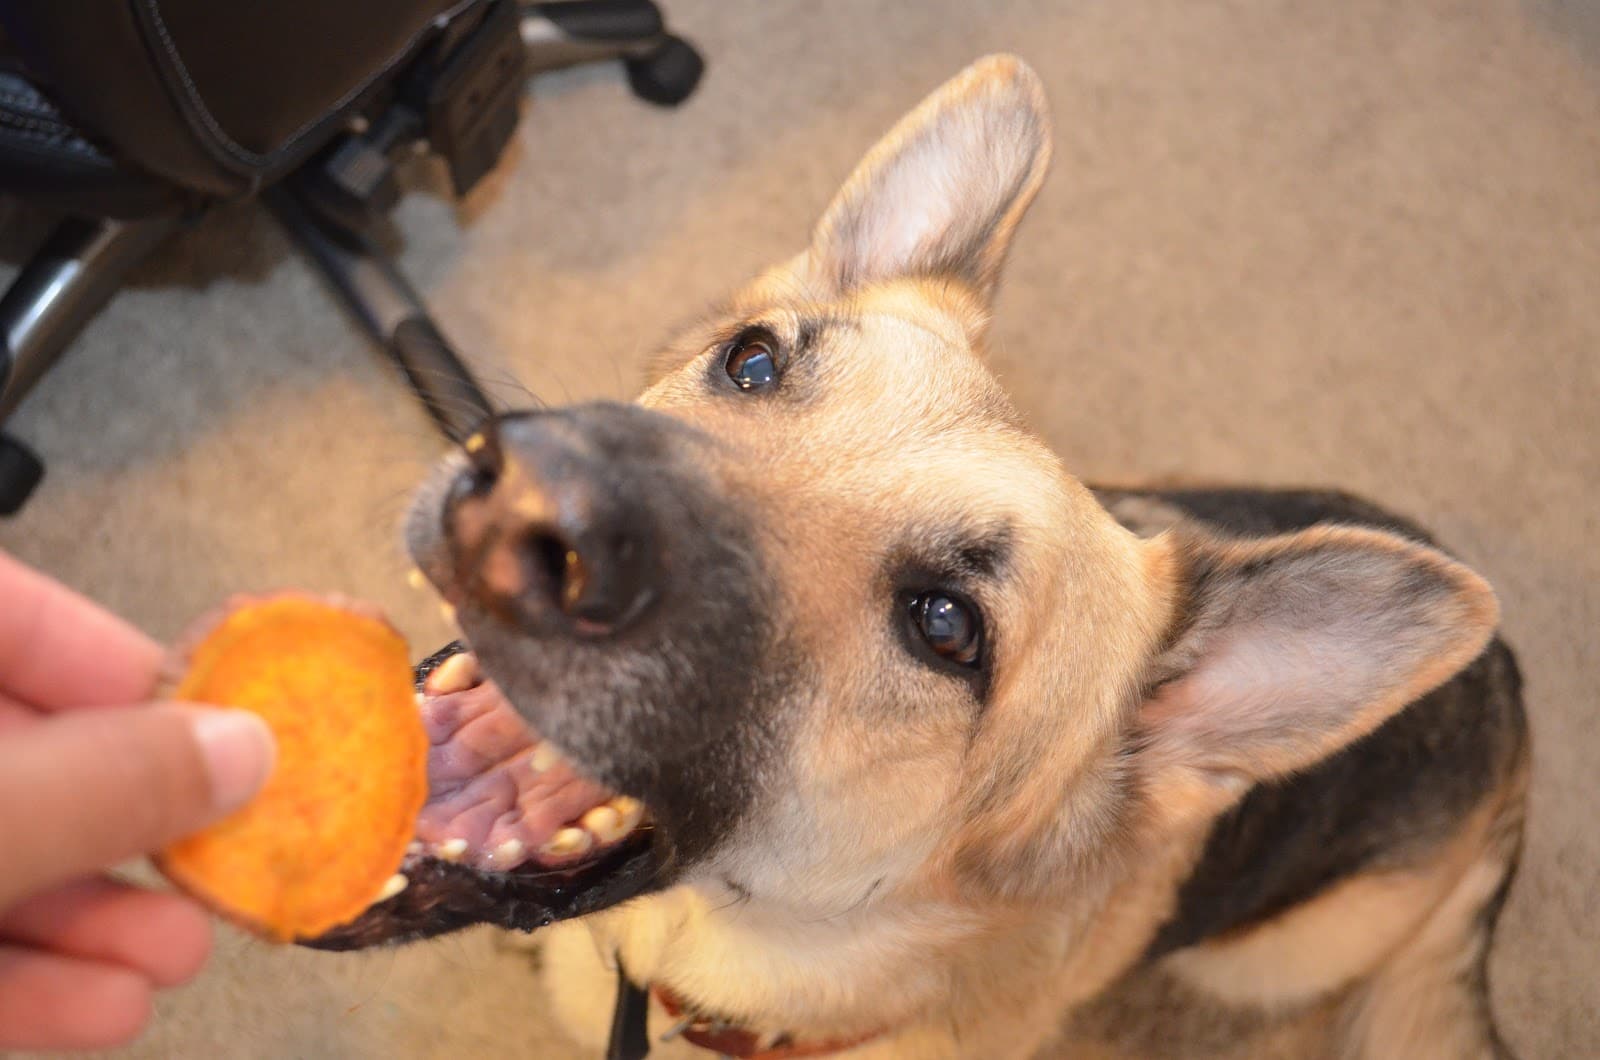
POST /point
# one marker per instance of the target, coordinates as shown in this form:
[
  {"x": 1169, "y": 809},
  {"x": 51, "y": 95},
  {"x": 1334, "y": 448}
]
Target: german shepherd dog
[{"x": 836, "y": 717}]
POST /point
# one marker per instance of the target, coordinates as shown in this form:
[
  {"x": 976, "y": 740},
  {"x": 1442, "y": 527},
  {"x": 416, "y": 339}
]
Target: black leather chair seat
[
  {"x": 50, "y": 161},
  {"x": 216, "y": 96}
]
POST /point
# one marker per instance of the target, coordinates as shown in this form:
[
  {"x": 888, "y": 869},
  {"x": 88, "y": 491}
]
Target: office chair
[{"x": 131, "y": 120}]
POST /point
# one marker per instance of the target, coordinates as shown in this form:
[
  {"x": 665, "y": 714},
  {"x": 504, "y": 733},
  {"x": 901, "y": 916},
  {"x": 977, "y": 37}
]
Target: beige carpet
[{"x": 1294, "y": 242}]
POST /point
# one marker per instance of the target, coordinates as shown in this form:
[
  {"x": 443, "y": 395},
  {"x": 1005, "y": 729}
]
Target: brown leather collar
[{"x": 745, "y": 1044}]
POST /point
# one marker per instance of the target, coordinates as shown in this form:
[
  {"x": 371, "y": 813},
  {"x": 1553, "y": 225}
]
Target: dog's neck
[
  {"x": 872, "y": 973},
  {"x": 895, "y": 963},
  {"x": 766, "y": 965},
  {"x": 730, "y": 1040}
]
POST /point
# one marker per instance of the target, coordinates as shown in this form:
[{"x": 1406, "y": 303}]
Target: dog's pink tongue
[{"x": 498, "y": 796}]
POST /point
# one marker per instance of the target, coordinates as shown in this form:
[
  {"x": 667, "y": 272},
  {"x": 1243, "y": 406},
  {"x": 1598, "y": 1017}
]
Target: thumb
[{"x": 84, "y": 790}]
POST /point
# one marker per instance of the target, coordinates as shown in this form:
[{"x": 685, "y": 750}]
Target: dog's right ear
[{"x": 940, "y": 196}]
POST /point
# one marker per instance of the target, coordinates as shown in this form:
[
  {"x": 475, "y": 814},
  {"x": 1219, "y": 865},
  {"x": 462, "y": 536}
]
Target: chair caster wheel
[
  {"x": 667, "y": 75},
  {"x": 20, "y": 472}
]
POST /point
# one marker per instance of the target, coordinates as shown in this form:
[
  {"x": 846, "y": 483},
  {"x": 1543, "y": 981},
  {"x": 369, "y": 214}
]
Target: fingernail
[{"x": 238, "y": 752}]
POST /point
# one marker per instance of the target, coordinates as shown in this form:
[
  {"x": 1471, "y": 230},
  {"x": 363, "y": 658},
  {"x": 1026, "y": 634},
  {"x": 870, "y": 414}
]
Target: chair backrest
[{"x": 218, "y": 96}]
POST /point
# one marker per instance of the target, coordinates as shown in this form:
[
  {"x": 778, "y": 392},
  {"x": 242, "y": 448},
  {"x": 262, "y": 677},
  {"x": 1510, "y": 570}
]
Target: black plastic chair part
[{"x": 132, "y": 119}]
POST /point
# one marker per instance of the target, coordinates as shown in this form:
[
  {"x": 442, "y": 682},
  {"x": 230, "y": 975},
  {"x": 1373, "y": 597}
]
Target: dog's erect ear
[
  {"x": 941, "y": 195},
  {"x": 1287, "y": 650}
]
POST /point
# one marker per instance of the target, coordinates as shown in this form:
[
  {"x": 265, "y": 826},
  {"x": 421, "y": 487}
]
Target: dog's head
[{"x": 844, "y": 625}]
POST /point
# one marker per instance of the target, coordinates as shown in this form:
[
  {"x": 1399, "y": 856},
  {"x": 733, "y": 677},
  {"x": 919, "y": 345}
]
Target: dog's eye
[
  {"x": 950, "y": 625},
  {"x": 752, "y": 361}
]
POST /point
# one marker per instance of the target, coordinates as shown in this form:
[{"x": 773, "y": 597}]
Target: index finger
[{"x": 59, "y": 650}]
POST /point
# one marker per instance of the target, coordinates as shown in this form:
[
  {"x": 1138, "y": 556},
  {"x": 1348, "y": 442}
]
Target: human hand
[{"x": 91, "y": 773}]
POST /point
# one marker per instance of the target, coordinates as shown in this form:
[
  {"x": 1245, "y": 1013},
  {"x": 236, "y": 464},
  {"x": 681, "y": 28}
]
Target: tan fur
[
  {"x": 1422, "y": 1003},
  {"x": 1336, "y": 938},
  {"x": 968, "y": 883}
]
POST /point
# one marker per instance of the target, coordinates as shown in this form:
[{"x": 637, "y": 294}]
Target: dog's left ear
[
  {"x": 1278, "y": 653},
  {"x": 940, "y": 196},
  {"x": 1286, "y": 650}
]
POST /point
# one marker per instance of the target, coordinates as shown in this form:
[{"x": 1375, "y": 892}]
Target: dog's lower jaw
[{"x": 849, "y": 978}]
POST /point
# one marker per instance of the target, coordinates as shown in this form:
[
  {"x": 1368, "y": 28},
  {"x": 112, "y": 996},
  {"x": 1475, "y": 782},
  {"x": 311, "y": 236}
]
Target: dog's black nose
[{"x": 543, "y": 527}]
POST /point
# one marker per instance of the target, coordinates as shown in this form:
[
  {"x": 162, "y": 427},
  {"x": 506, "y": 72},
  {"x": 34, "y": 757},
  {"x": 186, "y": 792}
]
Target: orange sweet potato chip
[{"x": 318, "y": 844}]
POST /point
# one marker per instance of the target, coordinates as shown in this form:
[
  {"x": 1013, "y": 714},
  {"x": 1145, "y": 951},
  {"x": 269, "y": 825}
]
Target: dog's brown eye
[
  {"x": 949, "y": 625},
  {"x": 752, "y": 361}
]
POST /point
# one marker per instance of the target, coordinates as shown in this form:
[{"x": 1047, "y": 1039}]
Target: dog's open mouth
[{"x": 511, "y": 833}]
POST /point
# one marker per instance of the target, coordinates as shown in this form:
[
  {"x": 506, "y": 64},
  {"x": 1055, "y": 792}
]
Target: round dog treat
[{"x": 322, "y": 840}]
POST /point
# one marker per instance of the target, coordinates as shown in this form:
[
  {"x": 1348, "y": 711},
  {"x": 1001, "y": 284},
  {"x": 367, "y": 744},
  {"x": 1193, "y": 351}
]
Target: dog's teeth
[
  {"x": 449, "y": 613},
  {"x": 566, "y": 842},
  {"x": 606, "y": 824},
  {"x": 416, "y": 579},
  {"x": 450, "y": 849},
  {"x": 422, "y": 699},
  {"x": 414, "y": 848},
  {"x": 456, "y": 674},
  {"x": 507, "y": 854},
  {"x": 630, "y": 812},
  {"x": 543, "y": 757},
  {"x": 392, "y": 886}
]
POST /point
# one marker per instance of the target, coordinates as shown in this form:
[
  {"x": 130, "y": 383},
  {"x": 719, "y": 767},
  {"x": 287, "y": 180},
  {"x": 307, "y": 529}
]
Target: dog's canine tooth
[
  {"x": 451, "y": 849},
  {"x": 392, "y": 886},
  {"x": 543, "y": 757},
  {"x": 416, "y": 579},
  {"x": 567, "y": 841},
  {"x": 605, "y": 823},
  {"x": 449, "y": 612},
  {"x": 630, "y": 812},
  {"x": 414, "y": 848},
  {"x": 456, "y": 674},
  {"x": 507, "y": 854}
]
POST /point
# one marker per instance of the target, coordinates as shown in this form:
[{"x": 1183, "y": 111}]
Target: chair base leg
[
  {"x": 69, "y": 279},
  {"x": 390, "y": 311},
  {"x": 20, "y": 474},
  {"x": 662, "y": 68}
]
